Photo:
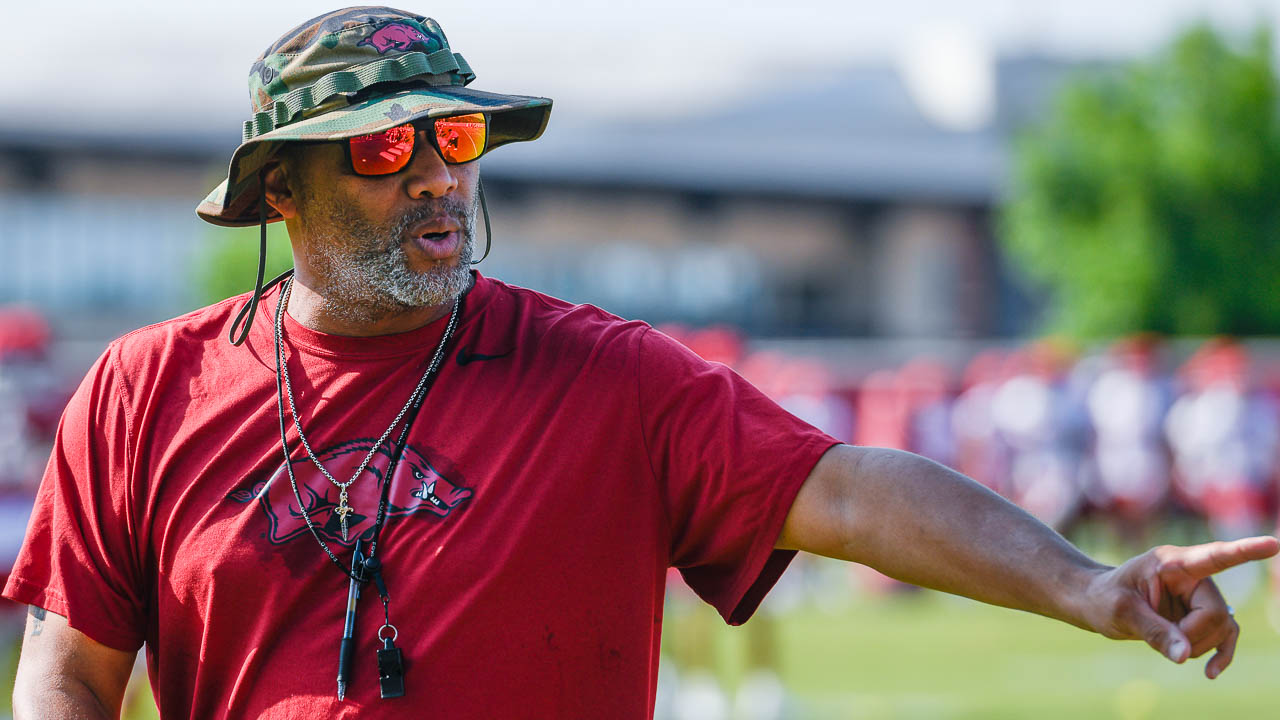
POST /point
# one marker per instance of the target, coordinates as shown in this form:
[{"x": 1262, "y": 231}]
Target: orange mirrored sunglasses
[{"x": 458, "y": 139}]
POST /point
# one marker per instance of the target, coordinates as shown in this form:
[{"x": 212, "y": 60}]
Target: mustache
[{"x": 439, "y": 209}]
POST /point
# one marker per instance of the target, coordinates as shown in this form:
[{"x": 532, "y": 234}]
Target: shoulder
[
  {"x": 559, "y": 326},
  {"x": 125, "y": 377},
  {"x": 194, "y": 329},
  {"x": 546, "y": 310},
  {"x": 189, "y": 340}
]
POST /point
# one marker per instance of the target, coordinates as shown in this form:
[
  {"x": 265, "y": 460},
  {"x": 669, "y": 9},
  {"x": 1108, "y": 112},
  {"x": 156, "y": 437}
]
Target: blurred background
[{"x": 1038, "y": 242}]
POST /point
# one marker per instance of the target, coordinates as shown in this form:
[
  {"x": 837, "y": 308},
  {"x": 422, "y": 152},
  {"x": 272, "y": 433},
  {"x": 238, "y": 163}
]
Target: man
[{"x": 503, "y": 477}]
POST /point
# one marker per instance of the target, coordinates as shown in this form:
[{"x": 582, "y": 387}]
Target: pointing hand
[{"x": 1165, "y": 597}]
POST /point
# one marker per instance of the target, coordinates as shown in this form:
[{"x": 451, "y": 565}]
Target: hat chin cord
[
  {"x": 488, "y": 234},
  {"x": 250, "y": 308}
]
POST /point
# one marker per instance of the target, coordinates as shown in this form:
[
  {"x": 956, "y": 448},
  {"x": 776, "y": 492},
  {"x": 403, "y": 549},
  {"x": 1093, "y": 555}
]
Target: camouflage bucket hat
[{"x": 353, "y": 72}]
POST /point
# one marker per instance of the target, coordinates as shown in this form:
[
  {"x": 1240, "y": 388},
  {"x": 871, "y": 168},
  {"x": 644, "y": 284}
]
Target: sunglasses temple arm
[{"x": 488, "y": 234}]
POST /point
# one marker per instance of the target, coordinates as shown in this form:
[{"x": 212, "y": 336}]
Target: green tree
[
  {"x": 230, "y": 260},
  {"x": 1149, "y": 197}
]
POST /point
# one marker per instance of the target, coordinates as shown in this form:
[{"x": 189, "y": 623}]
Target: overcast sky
[{"x": 139, "y": 64}]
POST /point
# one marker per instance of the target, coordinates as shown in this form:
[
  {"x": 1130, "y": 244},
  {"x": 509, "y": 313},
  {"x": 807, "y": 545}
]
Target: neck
[{"x": 315, "y": 310}]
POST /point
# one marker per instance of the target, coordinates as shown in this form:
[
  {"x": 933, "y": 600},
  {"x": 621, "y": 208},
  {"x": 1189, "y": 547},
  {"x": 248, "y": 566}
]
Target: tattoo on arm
[{"x": 37, "y": 619}]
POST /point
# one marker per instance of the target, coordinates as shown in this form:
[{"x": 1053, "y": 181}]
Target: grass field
[{"x": 925, "y": 655}]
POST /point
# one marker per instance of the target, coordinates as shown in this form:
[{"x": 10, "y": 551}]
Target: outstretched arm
[
  {"x": 63, "y": 673},
  {"x": 917, "y": 521}
]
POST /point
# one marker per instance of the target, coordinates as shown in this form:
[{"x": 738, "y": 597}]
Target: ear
[{"x": 275, "y": 182}]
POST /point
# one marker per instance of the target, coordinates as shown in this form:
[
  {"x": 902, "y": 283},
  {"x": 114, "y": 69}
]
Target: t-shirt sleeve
[
  {"x": 79, "y": 557},
  {"x": 730, "y": 462}
]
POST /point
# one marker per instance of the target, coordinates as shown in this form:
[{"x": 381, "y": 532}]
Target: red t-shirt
[{"x": 562, "y": 461}]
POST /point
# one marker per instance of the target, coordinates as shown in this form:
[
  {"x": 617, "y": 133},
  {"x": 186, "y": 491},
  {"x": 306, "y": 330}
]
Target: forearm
[{"x": 917, "y": 521}]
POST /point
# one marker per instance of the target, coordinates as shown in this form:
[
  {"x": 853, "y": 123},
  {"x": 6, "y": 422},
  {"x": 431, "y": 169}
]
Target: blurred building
[{"x": 829, "y": 207}]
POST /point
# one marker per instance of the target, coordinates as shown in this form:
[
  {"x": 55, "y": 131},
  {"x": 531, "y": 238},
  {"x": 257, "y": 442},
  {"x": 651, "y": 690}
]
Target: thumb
[{"x": 1162, "y": 635}]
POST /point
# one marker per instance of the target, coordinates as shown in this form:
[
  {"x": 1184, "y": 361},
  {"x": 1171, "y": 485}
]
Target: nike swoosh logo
[{"x": 465, "y": 357}]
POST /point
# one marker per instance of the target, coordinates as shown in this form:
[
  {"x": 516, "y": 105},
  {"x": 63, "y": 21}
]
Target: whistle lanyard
[{"x": 365, "y": 568}]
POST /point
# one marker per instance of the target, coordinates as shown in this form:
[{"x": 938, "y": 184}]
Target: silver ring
[{"x": 394, "y": 632}]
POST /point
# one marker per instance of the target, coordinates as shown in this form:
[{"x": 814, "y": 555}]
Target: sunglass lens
[
  {"x": 461, "y": 138},
  {"x": 382, "y": 153}
]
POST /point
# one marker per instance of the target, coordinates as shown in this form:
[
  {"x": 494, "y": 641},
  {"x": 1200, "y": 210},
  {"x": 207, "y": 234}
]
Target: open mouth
[{"x": 437, "y": 241}]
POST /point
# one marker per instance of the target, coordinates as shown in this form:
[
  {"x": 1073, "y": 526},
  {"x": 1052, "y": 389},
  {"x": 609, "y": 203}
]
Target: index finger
[{"x": 1201, "y": 561}]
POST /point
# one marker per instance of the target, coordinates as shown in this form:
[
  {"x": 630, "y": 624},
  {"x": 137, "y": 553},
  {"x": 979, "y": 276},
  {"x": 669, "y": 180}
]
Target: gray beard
[{"x": 363, "y": 270}]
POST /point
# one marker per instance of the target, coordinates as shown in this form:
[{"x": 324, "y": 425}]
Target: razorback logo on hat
[{"x": 399, "y": 36}]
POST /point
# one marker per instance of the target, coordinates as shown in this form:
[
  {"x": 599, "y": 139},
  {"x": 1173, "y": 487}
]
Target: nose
[{"x": 427, "y": 174}]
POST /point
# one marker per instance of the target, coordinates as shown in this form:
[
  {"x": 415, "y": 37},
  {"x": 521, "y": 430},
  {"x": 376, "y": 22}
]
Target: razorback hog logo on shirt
[
  {"x": 397, "y": 36},
  {"x": 417, "y": 489}
]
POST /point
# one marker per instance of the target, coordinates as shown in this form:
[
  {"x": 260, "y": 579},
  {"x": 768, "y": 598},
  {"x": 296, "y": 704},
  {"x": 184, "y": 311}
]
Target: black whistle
[{"x": 390, "y": 670}]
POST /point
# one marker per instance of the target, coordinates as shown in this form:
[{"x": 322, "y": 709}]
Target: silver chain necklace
[{"x": 344, "y": 507}]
